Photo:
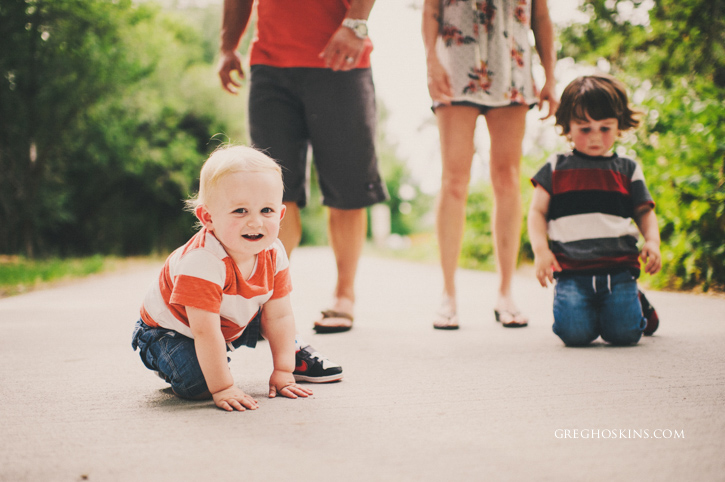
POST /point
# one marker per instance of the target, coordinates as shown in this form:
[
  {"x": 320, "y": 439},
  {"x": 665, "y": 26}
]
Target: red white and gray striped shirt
[
  {"x": 202, "y": 275},
  {"x": 593, "y": 201}
]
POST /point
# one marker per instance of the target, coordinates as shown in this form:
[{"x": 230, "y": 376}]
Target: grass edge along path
[{"x": 20, "y": 275}]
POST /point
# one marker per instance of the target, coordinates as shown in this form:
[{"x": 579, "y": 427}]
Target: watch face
[{"x": 358, "y": 26}]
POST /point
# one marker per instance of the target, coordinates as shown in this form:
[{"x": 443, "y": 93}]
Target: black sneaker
[
  {"x": 311, "y": 366},
  {"x": 648, "y": 311}
]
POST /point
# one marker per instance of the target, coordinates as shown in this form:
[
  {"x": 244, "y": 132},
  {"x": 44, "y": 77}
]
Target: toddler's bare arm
[
  {"x": 212, "y": 354},
  {"x": 278, "y": 327},
  {"x": 544, "y": 260},
  {"x": 646, "y": 220}
]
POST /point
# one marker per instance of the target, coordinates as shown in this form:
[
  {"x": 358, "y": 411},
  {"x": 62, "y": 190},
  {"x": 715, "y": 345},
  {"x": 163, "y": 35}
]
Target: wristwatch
[{"x": 359, "y": 26}]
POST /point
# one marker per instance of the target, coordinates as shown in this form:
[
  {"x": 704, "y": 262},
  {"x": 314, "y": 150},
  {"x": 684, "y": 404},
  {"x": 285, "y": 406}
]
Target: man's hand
[
  {"x": 229, "y": 62},
  {"x": 343, "y": 51},
  {"x": 233, "y": 398},
  {"x": 284, "y": 383}
]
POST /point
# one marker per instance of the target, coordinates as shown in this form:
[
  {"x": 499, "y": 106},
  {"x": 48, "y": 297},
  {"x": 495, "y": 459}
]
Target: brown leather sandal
[{"x": 333, "y": 329}]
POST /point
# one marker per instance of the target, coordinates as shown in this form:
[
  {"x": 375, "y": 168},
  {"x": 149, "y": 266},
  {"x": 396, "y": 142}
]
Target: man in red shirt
[{"x": 311, "y": 85}]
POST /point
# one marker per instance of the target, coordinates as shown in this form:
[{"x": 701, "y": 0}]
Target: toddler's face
[
  {"x": 245, "y": 211},
  {"x": 594, "y": 137}
]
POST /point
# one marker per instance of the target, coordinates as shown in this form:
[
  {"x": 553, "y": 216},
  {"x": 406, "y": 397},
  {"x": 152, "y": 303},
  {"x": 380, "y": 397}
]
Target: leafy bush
[
  {"x": 314, "y": 215},
  {"x": 106, "y": 114},
  {"x": 477, "y": 245},
  {"x": 682, "y": 148}
]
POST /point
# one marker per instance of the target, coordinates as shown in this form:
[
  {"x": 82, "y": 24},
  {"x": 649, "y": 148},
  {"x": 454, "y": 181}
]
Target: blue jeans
[
  {"x": 173, "y": 356},
  {"x": 586, "y": 307}
]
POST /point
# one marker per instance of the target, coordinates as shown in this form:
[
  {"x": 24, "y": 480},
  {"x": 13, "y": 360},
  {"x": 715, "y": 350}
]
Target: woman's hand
[
  {"x": 439, "y": 82},
  {"x": 548, "y": 95}
]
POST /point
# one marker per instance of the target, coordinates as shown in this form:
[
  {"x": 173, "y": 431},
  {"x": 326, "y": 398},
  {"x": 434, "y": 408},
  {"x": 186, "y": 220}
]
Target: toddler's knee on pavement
[
  {"x": 624, "y": 335},
  {"x": 190, "y": 389},
  {"x": 623, "y": 338},
  {"x": 574, "y": 337}
]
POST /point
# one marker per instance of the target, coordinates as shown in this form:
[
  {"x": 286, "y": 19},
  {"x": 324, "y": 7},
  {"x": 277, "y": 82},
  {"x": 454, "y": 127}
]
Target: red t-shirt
[{"x": 294, "y": 33}]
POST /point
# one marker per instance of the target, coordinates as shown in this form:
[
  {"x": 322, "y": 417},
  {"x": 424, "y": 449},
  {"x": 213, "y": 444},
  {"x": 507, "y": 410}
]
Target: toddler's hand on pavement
[
  {"x": 233, "y": 398},
  {"x": 284, "y": 383}
]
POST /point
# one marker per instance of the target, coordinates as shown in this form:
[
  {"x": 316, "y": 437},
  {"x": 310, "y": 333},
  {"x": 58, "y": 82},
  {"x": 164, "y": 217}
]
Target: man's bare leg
[
  {"x": 346, "y": 229},
  {"x": 290, "y": 230}
]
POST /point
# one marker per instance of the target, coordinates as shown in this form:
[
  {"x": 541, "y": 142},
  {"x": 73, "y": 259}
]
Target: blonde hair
[{"x": 227, "y": 160}]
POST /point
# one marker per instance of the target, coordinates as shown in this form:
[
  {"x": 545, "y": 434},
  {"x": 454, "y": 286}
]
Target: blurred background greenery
[{"x": 109, "y": 108}]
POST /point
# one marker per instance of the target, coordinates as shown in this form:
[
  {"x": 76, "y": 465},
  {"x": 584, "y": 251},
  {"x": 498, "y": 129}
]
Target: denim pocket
[
  {"x": 137, "y": 329},
  {"x": 144, "y": 337}
]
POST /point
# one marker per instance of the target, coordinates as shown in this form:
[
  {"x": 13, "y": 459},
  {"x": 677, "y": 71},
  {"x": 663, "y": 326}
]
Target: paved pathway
[{"x": 482, "y": 403}]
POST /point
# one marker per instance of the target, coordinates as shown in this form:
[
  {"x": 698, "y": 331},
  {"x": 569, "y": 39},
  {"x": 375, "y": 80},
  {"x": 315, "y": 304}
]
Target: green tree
[
  {"x": 57, "y": 59},
  {"x": 683, "y": 39},
  {"x": 408, "y": 205},
  {"x": 151, "y": 140},
  {"x": 107, "y": 110}
]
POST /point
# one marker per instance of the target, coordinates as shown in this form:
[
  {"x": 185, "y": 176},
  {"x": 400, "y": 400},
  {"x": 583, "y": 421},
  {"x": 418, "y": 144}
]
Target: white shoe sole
[{"x": 327, "y": 379}]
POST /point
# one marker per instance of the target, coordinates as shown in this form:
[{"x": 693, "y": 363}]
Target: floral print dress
[{"x": 484, "y": 46}]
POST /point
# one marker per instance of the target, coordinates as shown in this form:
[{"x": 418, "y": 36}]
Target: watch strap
[{"x": 358, "y": 26}]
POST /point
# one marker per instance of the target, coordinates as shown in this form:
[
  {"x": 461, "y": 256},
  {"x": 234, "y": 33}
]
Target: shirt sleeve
[
  {"x": 638, "y": 189},
  {"x": 544, "y": 176},
  {"x": 199, "y": 281},
  {"x": 282, "y": 279}
]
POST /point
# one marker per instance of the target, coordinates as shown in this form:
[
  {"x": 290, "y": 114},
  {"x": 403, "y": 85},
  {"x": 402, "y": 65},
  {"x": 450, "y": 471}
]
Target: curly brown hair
[{"x": 599, "y": 96}]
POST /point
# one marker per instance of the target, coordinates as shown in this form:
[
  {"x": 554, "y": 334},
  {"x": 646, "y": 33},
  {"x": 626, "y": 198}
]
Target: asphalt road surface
[{"x": 416, "y": 404}]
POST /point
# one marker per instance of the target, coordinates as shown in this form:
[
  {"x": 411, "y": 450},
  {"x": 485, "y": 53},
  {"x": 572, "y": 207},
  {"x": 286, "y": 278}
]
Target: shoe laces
[{"x": 315, "y": 355}]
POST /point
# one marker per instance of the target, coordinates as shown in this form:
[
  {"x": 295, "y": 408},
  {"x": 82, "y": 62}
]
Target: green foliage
[
  {"x": 314, "y": 215},
  {"x": 677, "y": 65},
  {"x": 56, "y": 60},
  {"x": 408, "y": 205},
  {"x": 684, "y": 38},
  {"x": 477, "y": 246},
  {"x": 107, "y": 110},
  {"x": 682, "y": 148}
]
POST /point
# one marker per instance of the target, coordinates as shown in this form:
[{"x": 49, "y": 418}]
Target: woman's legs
[
  {"x": 506, "y": 126},
  {"x": 456, "y": 125}
]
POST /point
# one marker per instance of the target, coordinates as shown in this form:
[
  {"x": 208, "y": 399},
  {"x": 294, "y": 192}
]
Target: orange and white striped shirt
[{"x": 202, "y": 275}]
